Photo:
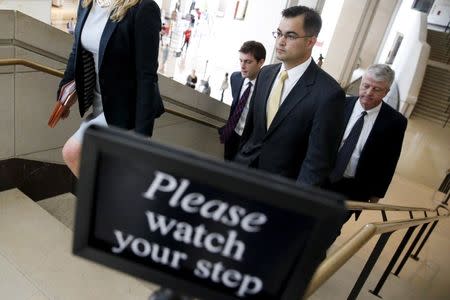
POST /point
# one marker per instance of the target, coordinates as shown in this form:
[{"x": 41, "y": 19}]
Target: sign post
[{"x": 205, "y": 228}]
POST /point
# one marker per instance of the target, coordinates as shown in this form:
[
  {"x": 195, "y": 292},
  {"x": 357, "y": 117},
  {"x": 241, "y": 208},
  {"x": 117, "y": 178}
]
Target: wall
[
  {"x": 39, "y": 9},
  {"x": 331, "y": 12},
  {"x": 262, "y": 17},
  {"x": 378, "y": 28},
  {"x": 411, "y": 61},
  {"x": 349, "y": 35},
  {"x": 412, "y": 57},
  {"x": 440, "y": 13}
]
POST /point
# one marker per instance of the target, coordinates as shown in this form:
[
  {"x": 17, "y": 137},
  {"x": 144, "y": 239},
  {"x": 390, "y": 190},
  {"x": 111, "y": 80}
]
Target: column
[
  {"x": 349, "y": 37},
  {"x": 377, "y": 32}
]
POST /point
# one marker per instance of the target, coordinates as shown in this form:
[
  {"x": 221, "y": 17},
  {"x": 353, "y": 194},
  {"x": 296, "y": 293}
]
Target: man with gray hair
[{"x": 372, "y": 141}]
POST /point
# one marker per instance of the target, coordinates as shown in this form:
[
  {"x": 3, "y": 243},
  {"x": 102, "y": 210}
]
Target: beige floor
[{"x": 425, "y": 157}]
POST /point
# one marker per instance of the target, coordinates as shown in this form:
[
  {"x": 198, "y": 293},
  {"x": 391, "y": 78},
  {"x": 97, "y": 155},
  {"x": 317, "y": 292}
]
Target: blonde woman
[{"x": 114, "y": 61}]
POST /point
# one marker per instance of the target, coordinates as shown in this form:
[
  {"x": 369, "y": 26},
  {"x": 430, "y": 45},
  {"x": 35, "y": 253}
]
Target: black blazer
[
  {"x": 381, "y": 152},
  {"x": 303, "y": 138},
  {"x": 128, "y": 64}
]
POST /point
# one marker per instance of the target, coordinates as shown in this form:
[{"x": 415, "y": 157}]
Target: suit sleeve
[
  {"x": 324, "y": 139},
  {"x": 393, "y": 148},
  {"x": 146, "y": 36}
]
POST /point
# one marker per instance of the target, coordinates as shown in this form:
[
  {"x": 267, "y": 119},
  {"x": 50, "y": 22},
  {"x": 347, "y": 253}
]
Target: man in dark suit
[
  {"x": 251, "y": 56},
  {"x": 372, "y": 141},
  {"x": 295, "y": 118}
]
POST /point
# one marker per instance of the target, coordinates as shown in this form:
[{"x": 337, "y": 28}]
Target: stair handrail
[
  {"x": 57, "y": 73},
  {"x": 338, "y": 258},
  {"x": 30, "y": 64}
]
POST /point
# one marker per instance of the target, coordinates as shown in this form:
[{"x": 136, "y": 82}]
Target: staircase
[
  {"x": 36, "y": 260},
  {"x": 434, "y": 98},
  {"x": 440, "y": 46},
  {"x": 433, "y": 101}
]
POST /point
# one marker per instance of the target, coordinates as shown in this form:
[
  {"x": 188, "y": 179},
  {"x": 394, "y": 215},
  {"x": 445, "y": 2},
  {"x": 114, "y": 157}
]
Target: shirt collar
[
  {"x": 296, "y": 72},
  {"x": 359, "y": 109},
  {"x": 246, "y": 81}
]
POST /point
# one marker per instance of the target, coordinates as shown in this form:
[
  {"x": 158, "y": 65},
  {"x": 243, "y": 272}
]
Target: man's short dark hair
[
  {"x": 312, "y": 20},
  {"x": 254, "y": 48}
]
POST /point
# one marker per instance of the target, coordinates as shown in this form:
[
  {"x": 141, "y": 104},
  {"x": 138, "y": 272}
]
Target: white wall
[
  {"x": 440, "y": 13},
  {"x": 412, "y": 57},
  {"x": 38, "y": 9},
  {"x": 330, "y": 15},
  {"x": 262, "y": 17}
]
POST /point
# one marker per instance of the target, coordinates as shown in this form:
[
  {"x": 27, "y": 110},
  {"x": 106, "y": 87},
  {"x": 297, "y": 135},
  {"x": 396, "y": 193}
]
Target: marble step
[{"x": 36, "y": 260}]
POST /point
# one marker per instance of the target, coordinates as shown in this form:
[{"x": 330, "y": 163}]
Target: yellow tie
[{"x": 275, "y": 98}]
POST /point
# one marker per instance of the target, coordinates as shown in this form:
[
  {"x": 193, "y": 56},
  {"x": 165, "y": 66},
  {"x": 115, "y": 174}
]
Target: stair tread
[{"x": 37, "y": 250}]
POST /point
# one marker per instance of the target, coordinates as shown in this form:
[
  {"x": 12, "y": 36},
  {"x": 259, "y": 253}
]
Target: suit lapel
[
  {"x": 84, "y": 12},
  {"x": 106, "y": 35},
  {"x": 296, "y": 95},
  {"x": 349, "y": 105},
  {"x": 237, "y": 91},
  {"x": 82, "y": 16}
]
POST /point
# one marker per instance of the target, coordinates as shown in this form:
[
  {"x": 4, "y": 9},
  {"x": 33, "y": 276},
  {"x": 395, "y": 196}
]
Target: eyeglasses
[
  {"x": 366, "y": 86},
  {"x": 288, "y": 36}
]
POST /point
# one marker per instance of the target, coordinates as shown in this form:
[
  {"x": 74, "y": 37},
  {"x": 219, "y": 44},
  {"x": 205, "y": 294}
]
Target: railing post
[
  {"x": 411, "y": 248},
  {"x": 415, "y": 256},
  {"x": 369, "y": 265},
  {"x": 393, "y": 261}
]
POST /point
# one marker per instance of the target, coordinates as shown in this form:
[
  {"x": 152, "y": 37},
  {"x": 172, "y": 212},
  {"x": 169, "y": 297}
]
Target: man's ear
[
  {"x": 311, "y": 42},
  {"x": 261, "y": 62}
]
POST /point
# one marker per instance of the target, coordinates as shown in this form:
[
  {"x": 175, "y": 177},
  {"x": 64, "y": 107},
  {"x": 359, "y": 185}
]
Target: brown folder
[{"x": 67, "y": 98}]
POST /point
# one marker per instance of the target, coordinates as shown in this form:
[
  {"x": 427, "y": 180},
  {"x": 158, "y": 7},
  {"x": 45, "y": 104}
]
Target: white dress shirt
[
  {"x": 294, "y": 75},
  {"x": 369, "y": 120},
  {"x": 241, "y": 123}
]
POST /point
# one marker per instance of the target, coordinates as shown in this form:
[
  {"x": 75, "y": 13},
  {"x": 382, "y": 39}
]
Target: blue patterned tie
[
  {"x": 346, "y": 151},
  {"x": 234, "y": 119}
]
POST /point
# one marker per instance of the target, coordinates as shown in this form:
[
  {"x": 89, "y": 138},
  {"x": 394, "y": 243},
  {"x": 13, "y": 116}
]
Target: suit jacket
[
  {"x": 304, "y": 136},
  {"x": 380, "y": 153},
  {"x": 128, "y": 63}
]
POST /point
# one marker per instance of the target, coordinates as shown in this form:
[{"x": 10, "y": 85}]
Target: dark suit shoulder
[
  {"x": 392, "y": 114},
  {"x": 270, "y": 68},
  {"x": 146, "y": 8},
  {"x": 148, "y": 3},
  {"x": 236, "y": 76},
  {"x": 325, "y": 78}
]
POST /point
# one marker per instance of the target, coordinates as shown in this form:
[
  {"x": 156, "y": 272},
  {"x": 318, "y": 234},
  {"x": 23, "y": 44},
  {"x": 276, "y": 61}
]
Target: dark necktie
[
  {"x": 346, "y": 151},
  {"x": 234, "y": 118}
]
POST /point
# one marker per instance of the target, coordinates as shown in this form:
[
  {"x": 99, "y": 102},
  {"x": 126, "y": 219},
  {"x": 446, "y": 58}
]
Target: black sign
[{"x": 206, "y": 228}]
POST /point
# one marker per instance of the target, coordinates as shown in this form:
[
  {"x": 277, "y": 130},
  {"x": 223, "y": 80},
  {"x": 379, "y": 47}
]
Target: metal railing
[
  {"x": 180, "y": 113},
  {"x": 337, "y": 259}
]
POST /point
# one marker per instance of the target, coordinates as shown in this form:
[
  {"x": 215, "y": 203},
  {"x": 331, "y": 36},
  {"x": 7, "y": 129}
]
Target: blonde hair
[{"x": 119, "y": 8}]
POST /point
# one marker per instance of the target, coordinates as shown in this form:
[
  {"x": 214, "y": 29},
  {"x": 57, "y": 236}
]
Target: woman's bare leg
[{"x": 71, "y": 154}]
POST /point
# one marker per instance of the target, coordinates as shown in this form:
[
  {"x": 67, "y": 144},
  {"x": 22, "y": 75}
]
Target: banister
[
  {"x": 30, "y": 64},
  {"x": 15, "y": 61},
  {"x": 337, "y": 259},
  {"x": 356, "y": 205}
]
